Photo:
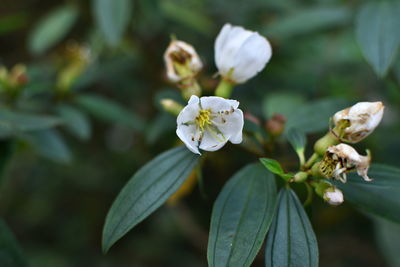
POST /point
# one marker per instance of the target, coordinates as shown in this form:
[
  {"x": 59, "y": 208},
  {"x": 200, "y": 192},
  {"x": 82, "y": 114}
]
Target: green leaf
[
  {"x": 307, "y": 21},
  {"x": 110, "y": 111},
  {"x": 298, "y": 141},
  {"x": 314, "y": 117},
  {"x": 291, "y": 240},
  {"x": 76, "y": 122},
  {"x": 296, "y": 138},
  {"x": 50, "y": 144},
  {"x": 281, "y": 103},
  {"x": 377, "y": 27},
  {"x": 187, "y": 15},
  {"x": 275, "y": 167},
  {"x": 10, "y": 252},
  {"x": 147, "y": 190},
  {"x": 388, "y": 239},
  {"x": 112, "y": 17},
  {"x": 241, "y": 217},
  {"x": 13, "y": 123},
  {"x": 272, "y": 165},
  {"x": 52, "y": 29},
  {"x": 380, "y": 196}
]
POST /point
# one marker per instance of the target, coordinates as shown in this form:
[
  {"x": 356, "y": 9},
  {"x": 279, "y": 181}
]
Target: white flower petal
[
  {"x": 187, "y": 133},
  {"x": 231, "y": 125},
  {"x": 212, "y": 142},
  {"x": 246, "y": 52},
  {"x": 218, "y": 104},
  {"x": 248, "y": 63},
  {"x": 364, "y": 117}
]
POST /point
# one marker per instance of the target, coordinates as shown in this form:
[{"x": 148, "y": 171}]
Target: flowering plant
[{"x": 249, "y": 208}]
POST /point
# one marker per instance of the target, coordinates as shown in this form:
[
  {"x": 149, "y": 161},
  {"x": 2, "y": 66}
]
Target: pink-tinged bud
[{"x": 363, "y": 118}]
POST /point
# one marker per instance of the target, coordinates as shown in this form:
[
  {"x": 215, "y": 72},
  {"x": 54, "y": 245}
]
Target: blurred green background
[{"x": 98, "y": 66}]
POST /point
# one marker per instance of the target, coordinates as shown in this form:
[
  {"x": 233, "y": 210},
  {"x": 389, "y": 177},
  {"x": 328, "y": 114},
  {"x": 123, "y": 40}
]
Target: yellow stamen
[{"x": 203, "y": 119}]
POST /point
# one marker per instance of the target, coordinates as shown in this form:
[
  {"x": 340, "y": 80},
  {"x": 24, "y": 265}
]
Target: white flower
[
  {"x": 345, "y": 158},
  {"x": 209, "y": 122},
  {"x": 240, "y": 54},
  {"x": 333, "y": 196},
  {"x": 181, "y": 61},
  {"x": 363, "y": 118}
]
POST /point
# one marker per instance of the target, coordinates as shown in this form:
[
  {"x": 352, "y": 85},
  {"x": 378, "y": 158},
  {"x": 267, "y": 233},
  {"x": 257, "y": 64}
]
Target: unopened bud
[
  {"x": 276, "y": 124},
  {"x": 171, "y": 106},
  {"x": 333, "y": 196},
  {"x": 362, "y": 118}
]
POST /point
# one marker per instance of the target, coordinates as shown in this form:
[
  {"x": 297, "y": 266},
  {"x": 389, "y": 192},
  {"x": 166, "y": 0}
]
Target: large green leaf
[
  {"x": 49, "y": 144},
  {"x": 10, "y": 252},
  {"x": 291, "y": 240},
  {"x": 52, "y": 28},
  {"x": 108, "y": 110},
  {"x": 307, "y": 21},
  {"x": 112, "y": 17},
  {"x": 377, "y": 30},
  {"x": 380, "y": 196},
  {"x": 147, "y": 190},
  {"x": 12, "y": 122},
  {"x": 281, "y": 103},
  {"x": 314, "y": 117},
  {"x": 241, "y": 217},
  {"x": 75, "y": 121}
]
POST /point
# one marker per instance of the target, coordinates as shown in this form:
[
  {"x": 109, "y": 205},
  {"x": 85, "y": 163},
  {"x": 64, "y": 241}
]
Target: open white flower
[
  {"x": 333, "y": 196},
  {"x": 181, "y": 61},
  {"x": 207, "y": 123},
  {"x": 240, "y": 54},
  {"x": 363, "y": 118},
  {"x": 343, "y": 158}
]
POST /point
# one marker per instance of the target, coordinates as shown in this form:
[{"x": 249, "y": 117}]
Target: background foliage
[{"x": 89, "y": 116}]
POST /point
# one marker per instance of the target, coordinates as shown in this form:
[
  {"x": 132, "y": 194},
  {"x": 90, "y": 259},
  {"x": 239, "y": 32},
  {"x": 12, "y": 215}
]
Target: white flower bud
[
  {"x": 181, "y": 61},
  {"x": 240, "y": 54},
  {"x": 344, "y": 158},
  {"x": 333, "y": 196},
  {"x": 363, "y": 118},
  {"x": 209, "y": 122}
]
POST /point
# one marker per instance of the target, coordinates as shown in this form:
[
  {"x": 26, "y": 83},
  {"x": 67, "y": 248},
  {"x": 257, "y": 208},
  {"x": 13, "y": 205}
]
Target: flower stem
[
  {"x": 310, "y": 194},
  {"x": 224, "y": 88},
  {"x": 314, "y": 157}
]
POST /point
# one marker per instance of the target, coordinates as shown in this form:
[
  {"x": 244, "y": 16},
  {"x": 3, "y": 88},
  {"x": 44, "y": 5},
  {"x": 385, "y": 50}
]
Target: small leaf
[
  {"x": 50, "y": 144},
  {"x": 241, "y": 217},
  {"x": 52, "y": 28},
  {"x": 147, "y": 190},
  {"x": 14, "y": 123},
  {"x": 112, "y": 17},
  {"x": 75, "y": 121},
  {"x": 110, "y": 111},
  {"x": 296, "y": 138},
  {"x": 10, "y": 252},
  {"x": 380, "y": 196},
  {"x": 272, "y": 165},
  {"x": 377, "y": 27},
  {"x": 298, "y": 141},
  {"x": 291, "y": 240},
  {"x": 314, "y": 116}
]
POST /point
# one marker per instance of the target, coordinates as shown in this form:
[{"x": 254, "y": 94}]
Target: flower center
[{"x": 204, "y": 118}]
